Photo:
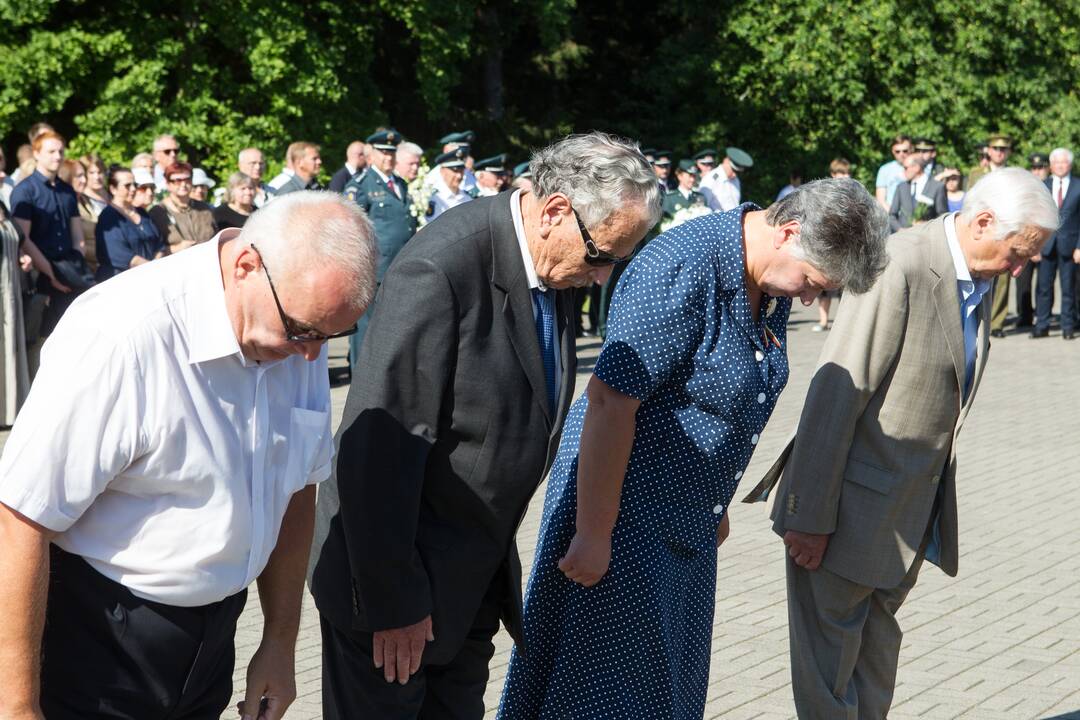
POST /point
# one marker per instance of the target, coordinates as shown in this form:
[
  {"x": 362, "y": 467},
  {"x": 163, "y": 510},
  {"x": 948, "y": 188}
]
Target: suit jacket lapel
[
  {"x": 946, "y": 300},
  {"x": 508, "y": 275},
  {"x": 986, "y": 308}
]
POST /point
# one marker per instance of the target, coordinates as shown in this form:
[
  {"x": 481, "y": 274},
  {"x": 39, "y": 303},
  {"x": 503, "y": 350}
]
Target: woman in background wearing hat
[{"x": 181, "y": 220}]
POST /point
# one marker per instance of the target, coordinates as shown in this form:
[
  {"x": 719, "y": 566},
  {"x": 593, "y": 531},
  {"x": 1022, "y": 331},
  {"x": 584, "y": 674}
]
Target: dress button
[
  {"x": 758, "y": 355},
  {"x": 718, "y": 509},
  {"x": 753, "y": 439},
  {"x": 760, "y": 398},
  {"x": 738, "y": 475}
]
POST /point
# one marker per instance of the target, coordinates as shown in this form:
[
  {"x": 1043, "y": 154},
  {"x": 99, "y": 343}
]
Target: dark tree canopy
[{"x": 794, "y": 84}]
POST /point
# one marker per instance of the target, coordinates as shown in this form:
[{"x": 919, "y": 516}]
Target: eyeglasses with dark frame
[
  {"x": 593, "y": 255},
  {"x": 292, "y": 333}
]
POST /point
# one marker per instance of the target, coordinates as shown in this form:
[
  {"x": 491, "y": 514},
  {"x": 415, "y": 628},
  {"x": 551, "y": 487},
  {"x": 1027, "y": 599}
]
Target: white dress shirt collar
[
  {"x": 963, "y": 274},
  {"x": 523, "y": 243},
  {"x": 211, "y": 334}
]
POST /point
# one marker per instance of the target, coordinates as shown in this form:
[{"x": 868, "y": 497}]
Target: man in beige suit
[{"x": 868, "y": 482}]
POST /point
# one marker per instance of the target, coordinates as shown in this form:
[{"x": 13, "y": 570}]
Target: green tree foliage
[{"x": 795, "y": 84}]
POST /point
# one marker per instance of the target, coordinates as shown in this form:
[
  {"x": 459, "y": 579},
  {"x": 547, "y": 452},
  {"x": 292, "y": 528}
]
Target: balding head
[{"x": 250, "y": 162}]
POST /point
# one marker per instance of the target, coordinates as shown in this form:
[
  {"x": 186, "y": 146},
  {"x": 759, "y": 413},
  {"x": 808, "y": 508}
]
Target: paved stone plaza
[{"x": 1001, "y": 641}]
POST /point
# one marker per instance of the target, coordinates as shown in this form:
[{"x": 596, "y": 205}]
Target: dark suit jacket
[
  {"x": 903, "y": 205},
  {"x": 446, "y": 436},
  {"x": 1067, "y": 237},
  {"x": 340, "y": 179}
]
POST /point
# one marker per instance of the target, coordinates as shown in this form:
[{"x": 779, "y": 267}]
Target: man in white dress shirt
[
  {"x": 448, "y": 190},
  {"x": 168, "y": 453},
  {"x": 721, "y": 187}
]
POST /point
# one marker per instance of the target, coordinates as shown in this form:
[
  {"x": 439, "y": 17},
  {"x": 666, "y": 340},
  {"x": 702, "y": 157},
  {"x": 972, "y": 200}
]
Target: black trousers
[
  {"x": 1050, "y": 267},
  {"x": 1025, "y": 308},
  {"x": 108, "y": 654},
  {"x": 354, "y": 689}
]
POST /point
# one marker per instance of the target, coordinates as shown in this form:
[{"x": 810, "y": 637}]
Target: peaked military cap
[
  {"x": 465, "y": 137},
  {"x": 494, "y": 164},
  {"x": 1039, "y": 160},
  {"x": 1000, "y": 140},
  {"x": 648, "y": 152},
  {"x": 522, "y": 170},
  {"x": 384, "y": 139},
  {"x": 702, "y": 154},
  {"x": 453, "y": 158},
  {"x": 925, "y": 144},
  {"x": 740, "y": 159},
  {"x": 662, "y": 158},
  {"x": 689, "y": 166}
]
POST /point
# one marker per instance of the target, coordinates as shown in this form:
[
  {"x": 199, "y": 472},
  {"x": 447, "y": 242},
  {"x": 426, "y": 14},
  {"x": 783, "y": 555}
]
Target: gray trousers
[{"x": 845, "y": 643}]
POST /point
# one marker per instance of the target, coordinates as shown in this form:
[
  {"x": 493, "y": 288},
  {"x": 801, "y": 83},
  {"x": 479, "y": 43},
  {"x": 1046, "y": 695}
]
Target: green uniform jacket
[
  {"x": 394, "y": 224},
  {"x": 674, "y": 201}
]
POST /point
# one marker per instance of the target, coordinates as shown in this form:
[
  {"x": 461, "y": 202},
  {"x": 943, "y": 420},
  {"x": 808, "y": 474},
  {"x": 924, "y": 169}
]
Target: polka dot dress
[{"x": 682, "y": 340}]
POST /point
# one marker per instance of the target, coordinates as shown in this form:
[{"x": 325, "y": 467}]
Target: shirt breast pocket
[{"x": 309, "y": 448}]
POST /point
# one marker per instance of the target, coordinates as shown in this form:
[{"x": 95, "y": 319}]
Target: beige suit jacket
[{"x": 879, "y": 427}]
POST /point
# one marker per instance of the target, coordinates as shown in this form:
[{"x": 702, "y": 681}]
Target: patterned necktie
[
  {"x": 1060, "y": 195},
  {"x": 544, "y": 304}
]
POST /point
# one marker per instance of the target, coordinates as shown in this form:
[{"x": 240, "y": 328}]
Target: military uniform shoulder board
[
  {"x": 473, "y": 193},
  {"x": 430, "y": 207}
]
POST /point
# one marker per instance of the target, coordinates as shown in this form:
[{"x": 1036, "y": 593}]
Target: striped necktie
[{"x": 544, "y": 306}]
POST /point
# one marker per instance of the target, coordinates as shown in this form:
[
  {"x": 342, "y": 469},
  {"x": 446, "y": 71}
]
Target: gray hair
[
  {"x": 1061, "y": 151},
  {"x": 411, "y": 148},
  {"x": 240, "y": 155},
  {"x": 311, "y": 229},
  {"x": 1017, "y": 199},
  {"x": 236, "y": 180},
  {"x": 842, "y": 230},
  {"x": 600, "y": 173}
]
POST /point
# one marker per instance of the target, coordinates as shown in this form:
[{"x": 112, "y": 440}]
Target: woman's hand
[
  {"x": 723, "y": 530},
  {"x": 588, "y": 557}
]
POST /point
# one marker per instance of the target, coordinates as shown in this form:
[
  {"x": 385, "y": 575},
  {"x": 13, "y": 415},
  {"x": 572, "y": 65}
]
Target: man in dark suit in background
[
  {"x": 355, "y": 162},
  {"x": 1059, "y": 254},
  {"x": 452, "y": 421},
  {"x": 917, "y": 187}
]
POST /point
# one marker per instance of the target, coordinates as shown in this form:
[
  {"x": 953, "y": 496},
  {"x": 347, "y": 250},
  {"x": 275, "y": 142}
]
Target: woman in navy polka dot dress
[{"x": 619, "y": 607}]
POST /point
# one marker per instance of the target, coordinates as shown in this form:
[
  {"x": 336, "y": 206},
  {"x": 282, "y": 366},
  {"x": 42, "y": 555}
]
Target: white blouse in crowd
[{"x": 159, "y": 453}]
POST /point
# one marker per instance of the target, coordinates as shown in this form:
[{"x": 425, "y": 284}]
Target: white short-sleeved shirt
[
  {"x": 724, "y": 193},
  {"x": 159, "y": 453}
]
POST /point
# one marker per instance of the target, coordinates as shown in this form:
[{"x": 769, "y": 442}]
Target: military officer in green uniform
[
  {"x": 384, "y": 196},
  {"x": 684, "y": 195}
]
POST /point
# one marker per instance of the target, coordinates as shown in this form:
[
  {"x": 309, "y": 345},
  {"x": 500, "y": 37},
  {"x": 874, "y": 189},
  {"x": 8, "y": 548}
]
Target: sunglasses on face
[
  {"x": 170, "y": 151},
  {"x": 594, "y": 256},
  {"x": 295, "y": 331},
  {"x": 902, "y": 151},
  {"x": 127, "y": 185},
  {"x": 1001, "y": 148}
]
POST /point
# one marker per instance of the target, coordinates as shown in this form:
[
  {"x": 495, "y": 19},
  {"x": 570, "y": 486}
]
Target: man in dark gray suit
[
  {"x": 1058, "y": 255},
  {"x": 917, "y": 187},
  {"x": 452, "y": 420}
]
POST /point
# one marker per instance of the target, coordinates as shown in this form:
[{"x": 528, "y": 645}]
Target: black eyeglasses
[
  {"x": 293, "y": 331},
  {"x": 593, "y": 255}
]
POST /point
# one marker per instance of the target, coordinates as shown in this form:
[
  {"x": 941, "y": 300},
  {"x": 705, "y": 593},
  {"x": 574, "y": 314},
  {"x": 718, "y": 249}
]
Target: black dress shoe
[
  {"x": 997, "y": 333},
  {"x": 1037, "y": 333},
  {"x": 1068, "y": 335}
]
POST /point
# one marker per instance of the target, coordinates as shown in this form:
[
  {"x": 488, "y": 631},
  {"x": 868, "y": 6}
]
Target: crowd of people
[{"x": 193, "y": 396}]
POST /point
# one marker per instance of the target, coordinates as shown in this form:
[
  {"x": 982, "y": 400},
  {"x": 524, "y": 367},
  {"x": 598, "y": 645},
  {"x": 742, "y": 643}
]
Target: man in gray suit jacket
[
  {"x": 918, "y": 187},
  {"x": 453, "y": 418},
  {"x": 868, "y": 482}
]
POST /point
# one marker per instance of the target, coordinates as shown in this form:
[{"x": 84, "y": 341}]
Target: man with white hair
[
  {"x": 1060, "y": 253},
  {"x": 466, "y": 375},
  {"x": 868, "y": 486},
  {"x": 407, "y": 164},
  {"x": 191, "y": 394}
]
